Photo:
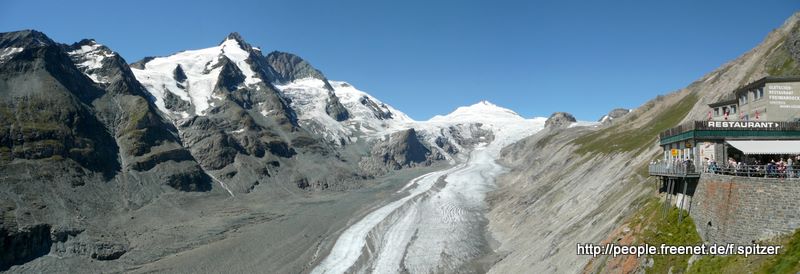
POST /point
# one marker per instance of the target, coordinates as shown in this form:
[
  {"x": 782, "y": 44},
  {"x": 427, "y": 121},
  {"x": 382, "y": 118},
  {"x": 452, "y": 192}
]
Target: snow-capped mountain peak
[
  {"x": 479, "y": 112},
  {"x": 89, "y": 57},
  {"x": 235, "y": 37},
  {"x": 200, "y": 70}
]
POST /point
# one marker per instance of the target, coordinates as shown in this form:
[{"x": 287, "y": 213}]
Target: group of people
[
  {"x": 677, "y": 166},
  {"x": 788, "y": 167}
]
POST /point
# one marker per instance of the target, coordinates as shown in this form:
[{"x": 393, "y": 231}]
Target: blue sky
[{"x": 426, "y": 58}]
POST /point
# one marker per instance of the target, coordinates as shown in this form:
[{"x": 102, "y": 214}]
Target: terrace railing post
[{"x": 683, "y": 200}]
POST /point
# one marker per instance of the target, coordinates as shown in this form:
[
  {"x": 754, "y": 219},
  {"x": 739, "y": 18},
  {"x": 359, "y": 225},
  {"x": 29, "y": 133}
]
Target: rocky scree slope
[{"x": 575, "y": 185}]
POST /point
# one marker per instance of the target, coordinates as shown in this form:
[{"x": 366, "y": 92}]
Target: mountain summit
[{"x": 480, "y": 111}]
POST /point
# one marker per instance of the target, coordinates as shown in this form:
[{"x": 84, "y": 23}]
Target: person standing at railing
[
  {"x": 739, "y": 168},
  {"x": 712, "y": 166},
  {"x": 771, "y": 169}
]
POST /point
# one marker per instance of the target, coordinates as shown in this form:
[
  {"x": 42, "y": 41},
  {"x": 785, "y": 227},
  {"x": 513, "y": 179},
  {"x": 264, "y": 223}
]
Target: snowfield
[
  {"x": 309, "y": 97},
  {"x": 202, "y": 72}
]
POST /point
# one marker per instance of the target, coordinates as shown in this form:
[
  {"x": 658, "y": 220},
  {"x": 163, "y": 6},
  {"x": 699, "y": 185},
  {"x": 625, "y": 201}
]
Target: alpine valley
[{"x": 230, "y": 159}]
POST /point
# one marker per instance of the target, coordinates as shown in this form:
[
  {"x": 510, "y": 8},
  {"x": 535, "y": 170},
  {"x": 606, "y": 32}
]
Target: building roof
[
  {"x": 732, "y": 98},
  {"x": 763, "y": 81},
  {"x": 727, "y": 100}
]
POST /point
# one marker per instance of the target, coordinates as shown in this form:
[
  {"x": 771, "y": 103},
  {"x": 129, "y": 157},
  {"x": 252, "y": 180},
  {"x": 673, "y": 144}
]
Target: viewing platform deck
[
  {"x": 673, "y": 170},
  {"x": 760, "y": 171}
]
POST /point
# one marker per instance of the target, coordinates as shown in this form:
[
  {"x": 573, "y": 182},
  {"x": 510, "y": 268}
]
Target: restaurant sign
[{"x": 742, "y": 124}]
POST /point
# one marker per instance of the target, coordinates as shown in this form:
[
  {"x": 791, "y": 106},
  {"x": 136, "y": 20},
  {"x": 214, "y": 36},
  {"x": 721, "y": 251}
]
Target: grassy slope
[
  {"x": 650, "y": 226},
  {"x": 622, "y": 138},
  {"x": 788, "y": 261}
]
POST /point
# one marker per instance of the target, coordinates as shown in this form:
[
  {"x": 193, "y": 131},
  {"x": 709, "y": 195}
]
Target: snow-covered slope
[
  {"x": 368, "y": 116},
  {"x": 192, "y": 75},
  {"x": 482, "y": 122},
  {"x": 93, "y": 55},
  {"x": 479, "y": 112},
  {"x": 189, "y": 83}
]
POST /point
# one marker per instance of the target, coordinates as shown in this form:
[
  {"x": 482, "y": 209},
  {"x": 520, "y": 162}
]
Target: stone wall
[{"x": 730, "y": 209}]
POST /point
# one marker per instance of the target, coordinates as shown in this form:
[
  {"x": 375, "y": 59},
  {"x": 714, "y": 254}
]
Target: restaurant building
[
  {"x": 732, "y": 171},
  {"x": 759, "y": 119}
]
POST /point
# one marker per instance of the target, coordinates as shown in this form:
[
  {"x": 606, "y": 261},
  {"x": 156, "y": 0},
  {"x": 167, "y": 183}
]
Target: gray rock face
[
  {"x": 24, "y": 39},
  {"x": 230, "y": 77},
  {"x": 287, "y": 67},
  {"x": 335, "y": 109},
  {"x": 179, "y": 75},
  {"x": 401, "y": 149},
  {"x": 381, "y": 112},
  {"x": 140, "y": 64},
  {"x": 559, "y": 120},
  {"x": 144, "y": 138},
  {"x": 792, "y": 46},
  {"x": 26, "y": 243},
  {"x": 68, "y": 146},
  {"x": 613, "y": 114}
]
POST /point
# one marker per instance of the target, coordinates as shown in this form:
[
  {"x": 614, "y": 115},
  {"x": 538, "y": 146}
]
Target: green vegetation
[
  {"x": 780, "y": 62},
  {"x": 722, "y": 264},
  {"x": 544, "y": 141},
  {"x": 668, "y": 231},
  {"x": 137, "y": 115},
  {"x": 619, "y": 138},
  {"x": 788, "y": 261}
]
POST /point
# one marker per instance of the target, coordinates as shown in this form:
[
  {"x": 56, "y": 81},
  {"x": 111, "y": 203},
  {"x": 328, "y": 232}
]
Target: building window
[
  {"x": 760, "y": 93},
  {"x": 733, "y": 109},
  {"x": 743, "y": 99},
  {"x": 716, "y": 111}
]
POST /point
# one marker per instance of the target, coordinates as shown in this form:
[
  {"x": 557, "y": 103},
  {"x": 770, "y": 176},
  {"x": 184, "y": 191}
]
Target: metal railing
[
  {"x": 687, "y": 169},
  {"x": 767, "y": 171},
  {"x": 681, "y": 169}
]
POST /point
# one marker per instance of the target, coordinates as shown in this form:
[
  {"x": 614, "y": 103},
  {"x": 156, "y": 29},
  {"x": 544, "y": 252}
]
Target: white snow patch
[
  {"x": 92, "y": 57},
  {"x": 585, "y": 124},
  {"x": 309, "y": 98},
  {"x": 7, "y": 53}
]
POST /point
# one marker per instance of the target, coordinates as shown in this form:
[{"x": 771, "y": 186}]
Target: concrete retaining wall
[{"x": 730, "y": 209}]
